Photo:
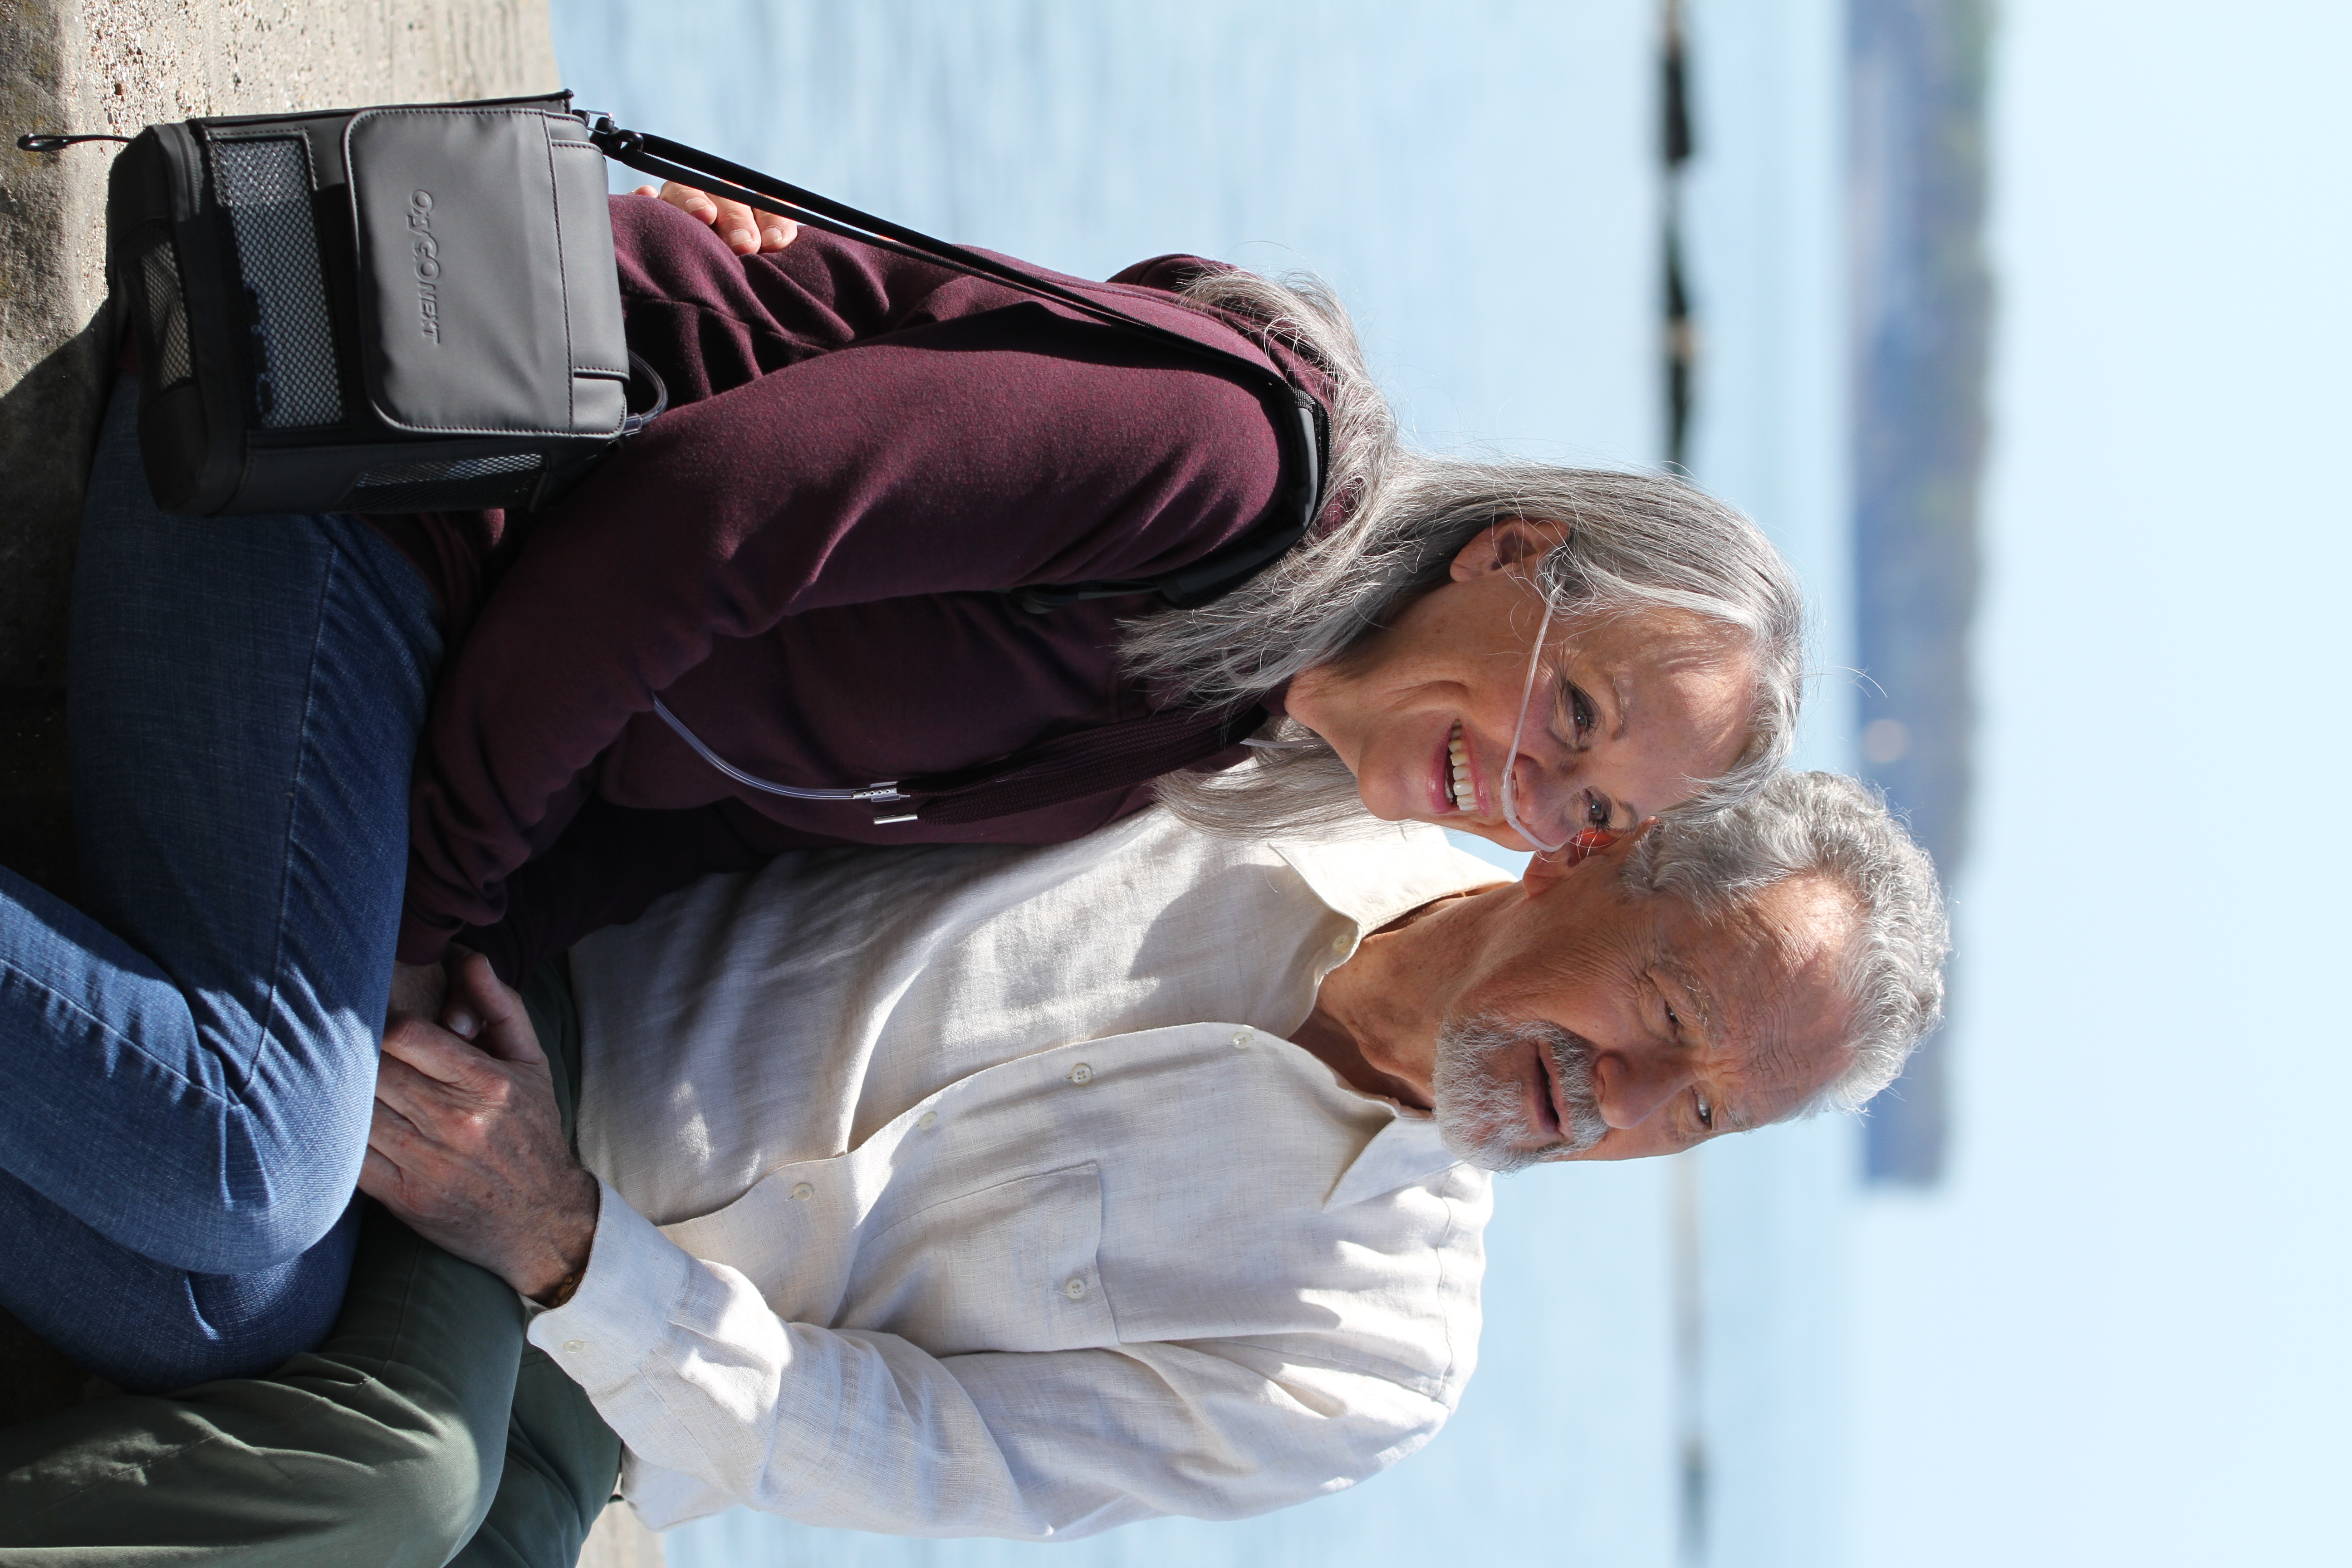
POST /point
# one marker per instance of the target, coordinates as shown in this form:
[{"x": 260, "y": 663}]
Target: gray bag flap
[{"x": 490, "y": 303}]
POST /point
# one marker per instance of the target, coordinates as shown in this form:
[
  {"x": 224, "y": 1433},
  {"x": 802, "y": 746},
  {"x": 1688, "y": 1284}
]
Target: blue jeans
[{"x": 190, "y": 1058}]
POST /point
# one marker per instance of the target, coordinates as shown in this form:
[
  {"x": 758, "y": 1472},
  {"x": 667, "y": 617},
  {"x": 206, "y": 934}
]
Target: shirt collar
[
  {"x": 1373, "y": 878},
  {"x": 1406, "y": 1152},
  {"x": 1369, "y": 880}
]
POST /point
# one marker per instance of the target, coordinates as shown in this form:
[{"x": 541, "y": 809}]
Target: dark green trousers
[{"x": 424, "y": 1431}]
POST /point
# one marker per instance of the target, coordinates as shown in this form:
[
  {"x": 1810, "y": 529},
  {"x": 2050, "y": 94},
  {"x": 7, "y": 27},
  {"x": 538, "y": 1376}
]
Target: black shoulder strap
[{"x": 1300, "y": 423}]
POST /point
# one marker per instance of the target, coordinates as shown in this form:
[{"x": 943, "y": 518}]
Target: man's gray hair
[
  {"x": 1824, "y": 823},
  {"x": 1636, "y": 541}
]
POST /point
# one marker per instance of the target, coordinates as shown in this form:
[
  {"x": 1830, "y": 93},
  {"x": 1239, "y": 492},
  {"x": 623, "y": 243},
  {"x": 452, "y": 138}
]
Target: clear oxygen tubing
[
  {"x": 1540, "y": 843},
  {"x": 879, "y": 794}
]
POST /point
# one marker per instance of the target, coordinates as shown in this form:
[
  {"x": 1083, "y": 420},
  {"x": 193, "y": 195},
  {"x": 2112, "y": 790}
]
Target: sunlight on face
[
  {"x": 1624, "y": 1024},
  {"x": 1630, "y": 712}
]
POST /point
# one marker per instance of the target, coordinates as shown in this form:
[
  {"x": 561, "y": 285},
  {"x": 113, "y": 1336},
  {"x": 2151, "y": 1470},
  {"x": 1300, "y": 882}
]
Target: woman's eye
[{"x": 1580, "y": 711}]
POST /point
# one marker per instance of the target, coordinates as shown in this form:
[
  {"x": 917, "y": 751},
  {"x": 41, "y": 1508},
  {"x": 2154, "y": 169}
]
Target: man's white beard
[{"x": 1482, "y": 1111}]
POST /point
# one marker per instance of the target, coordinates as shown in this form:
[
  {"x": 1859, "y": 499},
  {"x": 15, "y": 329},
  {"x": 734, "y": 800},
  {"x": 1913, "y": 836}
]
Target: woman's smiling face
[{"x": 1628, "y": 714}]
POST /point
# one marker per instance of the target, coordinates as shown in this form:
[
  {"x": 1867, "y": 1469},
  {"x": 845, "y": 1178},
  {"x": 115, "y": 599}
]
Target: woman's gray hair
[
  {"x": 1829, "y": 824},
  {"x": 1636, "y": 541}
]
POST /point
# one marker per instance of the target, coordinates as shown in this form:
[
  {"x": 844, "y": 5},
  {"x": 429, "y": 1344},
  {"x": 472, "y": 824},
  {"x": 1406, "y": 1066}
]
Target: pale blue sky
[{"x": 2118, "y": 1336}]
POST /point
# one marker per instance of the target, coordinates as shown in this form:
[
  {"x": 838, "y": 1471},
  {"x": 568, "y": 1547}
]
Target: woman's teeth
[{"x": 1465, "y": 794}]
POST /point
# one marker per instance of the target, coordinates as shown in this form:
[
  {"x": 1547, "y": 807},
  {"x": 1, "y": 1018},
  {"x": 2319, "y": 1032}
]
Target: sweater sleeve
[
  {"x": 1012, "y": 446},
  {"x": 864, "y": 1430}
]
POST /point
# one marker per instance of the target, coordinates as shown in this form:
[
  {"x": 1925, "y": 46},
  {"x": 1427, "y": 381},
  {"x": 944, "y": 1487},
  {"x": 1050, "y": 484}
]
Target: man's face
[{"x": 1599, "y": 1023}]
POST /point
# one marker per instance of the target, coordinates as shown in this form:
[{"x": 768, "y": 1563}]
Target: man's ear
[{"x": 1516, "y": 541}]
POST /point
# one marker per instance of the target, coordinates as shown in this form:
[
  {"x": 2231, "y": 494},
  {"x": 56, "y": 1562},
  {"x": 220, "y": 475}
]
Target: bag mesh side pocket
[
  {"x": 505, "y": 479},
  {"x": 264, "y": 185},
  {"x": 167, "y": 314}
]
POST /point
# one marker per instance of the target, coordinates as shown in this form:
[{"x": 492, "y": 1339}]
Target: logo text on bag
[{"x": 428, "y": 251}]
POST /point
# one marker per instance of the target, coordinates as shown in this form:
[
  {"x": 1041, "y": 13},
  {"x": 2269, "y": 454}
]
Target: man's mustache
[
  {"x": 1481, "y": 1109},
  {"x": 1571, "y": 1057}
]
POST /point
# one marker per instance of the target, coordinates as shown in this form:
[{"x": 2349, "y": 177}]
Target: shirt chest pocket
[{"x": 1008, "y": 1267}]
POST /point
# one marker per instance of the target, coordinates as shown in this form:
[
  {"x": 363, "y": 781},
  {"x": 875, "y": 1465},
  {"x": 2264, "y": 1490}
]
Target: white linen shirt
[{"x": 975, "y": 1191}]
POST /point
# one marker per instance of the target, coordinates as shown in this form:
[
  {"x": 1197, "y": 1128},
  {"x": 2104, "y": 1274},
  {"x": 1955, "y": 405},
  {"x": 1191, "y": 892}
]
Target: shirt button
[
  {"x": 575, "y": 1345},
  {"x": 803, "y": 1192},
  {"x": 1339, "y": 944},
  {"x": 927, "y": 1119},
  {"x": 1075, "y": 1290},
  {"x": 1082, "y": 1073},
  {"x": 1242, "y": 1040}
]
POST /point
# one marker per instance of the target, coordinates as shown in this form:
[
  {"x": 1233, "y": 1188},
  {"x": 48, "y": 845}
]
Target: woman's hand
[
  {"x": 467, "y": 1146},
  {"x": 745, "y": 229}
]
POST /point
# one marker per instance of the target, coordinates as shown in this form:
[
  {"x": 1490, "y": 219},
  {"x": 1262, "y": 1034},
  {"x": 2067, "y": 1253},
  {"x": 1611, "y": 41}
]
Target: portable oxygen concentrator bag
[
  {"x": 402, "y": 308},
  {"x": 416, "y": 308}
]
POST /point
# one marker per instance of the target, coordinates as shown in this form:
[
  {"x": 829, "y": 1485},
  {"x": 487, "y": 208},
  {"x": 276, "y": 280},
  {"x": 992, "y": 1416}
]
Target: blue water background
[{"x": 1480, "y": 182}]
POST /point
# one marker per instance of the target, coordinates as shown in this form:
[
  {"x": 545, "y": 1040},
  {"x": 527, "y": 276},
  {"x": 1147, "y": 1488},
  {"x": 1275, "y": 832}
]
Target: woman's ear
[{"x": 1514, "y": 541}]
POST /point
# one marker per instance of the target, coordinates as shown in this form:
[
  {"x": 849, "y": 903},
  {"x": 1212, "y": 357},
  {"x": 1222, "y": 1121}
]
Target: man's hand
[
  {"x": 417, "y": 988},
  {"x": 467, "y": 1146},
  {"x": 746, "y": 229}
]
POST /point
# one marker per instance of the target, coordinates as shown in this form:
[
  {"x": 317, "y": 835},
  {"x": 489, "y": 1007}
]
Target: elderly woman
[
  {"x": 808, "y": 580},
  {"x": 885, "y": 573}
]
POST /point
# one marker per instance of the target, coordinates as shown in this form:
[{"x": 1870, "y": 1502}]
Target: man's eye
[
  {"x": 1597, "y": 811},
  {"x": 1705, "y": 1112}
]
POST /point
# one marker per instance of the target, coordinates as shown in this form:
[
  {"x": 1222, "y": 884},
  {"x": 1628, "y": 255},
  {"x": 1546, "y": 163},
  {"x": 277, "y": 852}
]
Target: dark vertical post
[
  {"x": 1692, "y": 1469},
  {"x": 1682, "y": 338}
]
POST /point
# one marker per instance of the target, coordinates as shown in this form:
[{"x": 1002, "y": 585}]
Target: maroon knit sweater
[{"x": 805, "y": 558}]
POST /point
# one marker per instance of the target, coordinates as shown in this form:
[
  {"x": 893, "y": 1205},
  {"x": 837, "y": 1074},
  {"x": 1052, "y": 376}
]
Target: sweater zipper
[{"x": 880, "y": 796}]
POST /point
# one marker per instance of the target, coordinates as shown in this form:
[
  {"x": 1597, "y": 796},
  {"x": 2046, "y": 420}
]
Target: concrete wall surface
[{"x": 117, "y": 65}]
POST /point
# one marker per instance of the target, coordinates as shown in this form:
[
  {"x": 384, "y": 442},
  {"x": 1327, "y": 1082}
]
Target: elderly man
[{"x": 1026, "y": 1193}]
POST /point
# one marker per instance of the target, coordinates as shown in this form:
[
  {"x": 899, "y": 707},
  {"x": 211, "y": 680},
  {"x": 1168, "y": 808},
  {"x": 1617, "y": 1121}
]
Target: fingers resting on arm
[
  {"x": 746, "y": 229},
  {"x": 417, "y": 988},
  {"x": 484, "y": 1009}
]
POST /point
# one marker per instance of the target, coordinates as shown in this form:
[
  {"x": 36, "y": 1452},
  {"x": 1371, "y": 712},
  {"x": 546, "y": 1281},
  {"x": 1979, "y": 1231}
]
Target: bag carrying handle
[{"x": 1304, "y": 436}]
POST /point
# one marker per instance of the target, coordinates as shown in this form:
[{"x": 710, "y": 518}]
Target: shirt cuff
[{"x": 621, "y": 1313}]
